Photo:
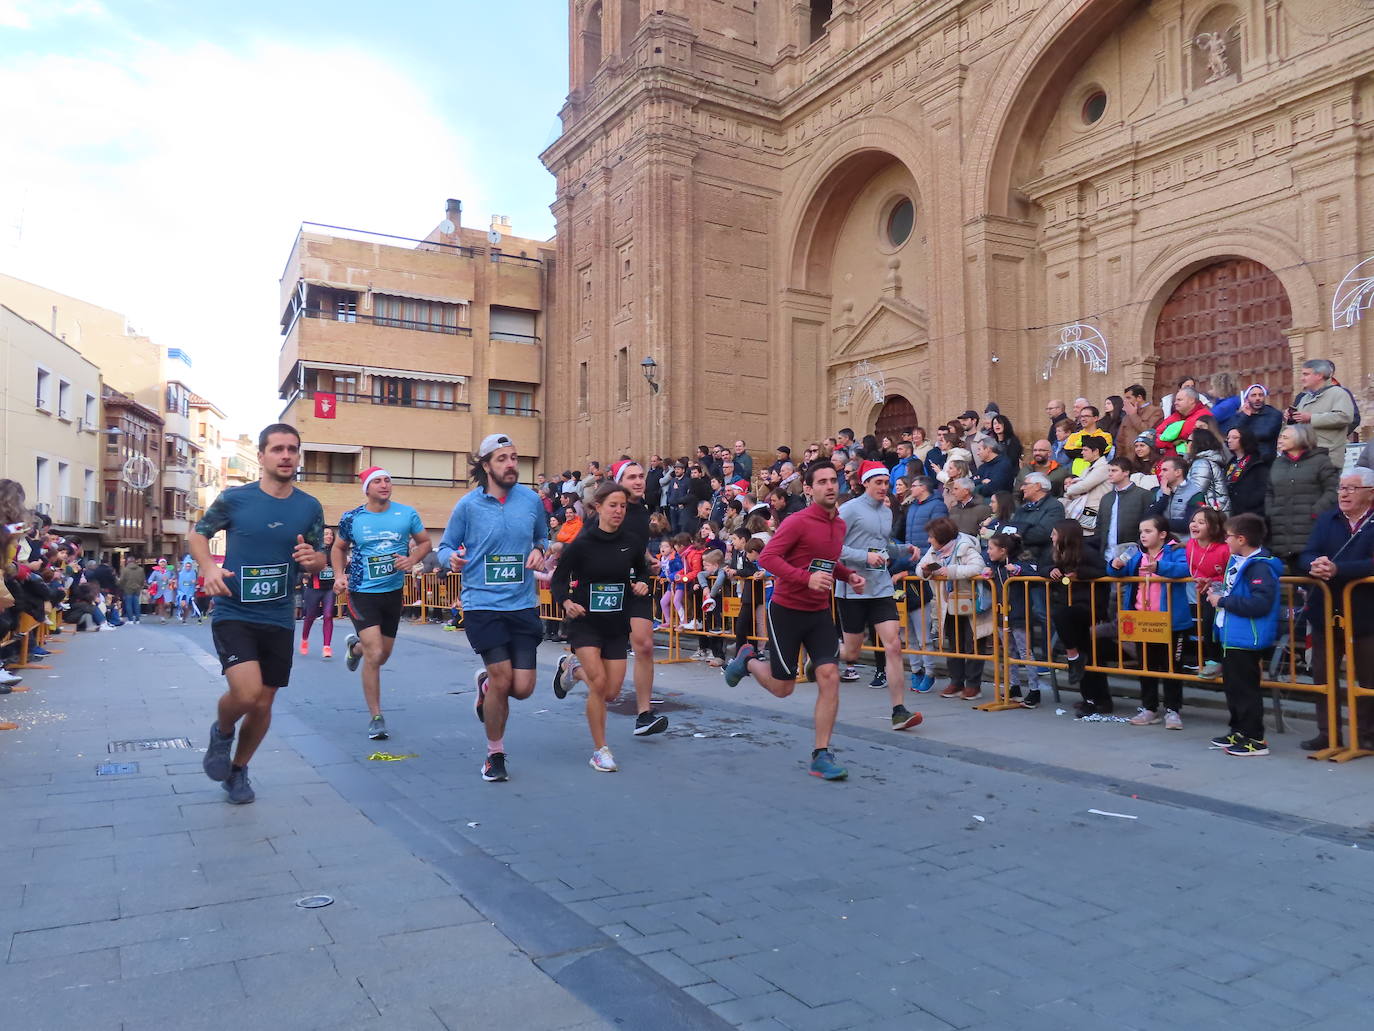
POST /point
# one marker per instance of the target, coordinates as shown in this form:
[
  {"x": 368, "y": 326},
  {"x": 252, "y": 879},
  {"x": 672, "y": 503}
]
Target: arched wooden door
[
  {"x": 1228, "y": 317},
  {"x": 896, "y": 415}
]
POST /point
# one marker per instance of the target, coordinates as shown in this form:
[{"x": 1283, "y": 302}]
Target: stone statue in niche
[{"x": 1215, "y": 45}]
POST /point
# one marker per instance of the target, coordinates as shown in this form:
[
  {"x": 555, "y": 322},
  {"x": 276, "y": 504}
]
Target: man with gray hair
[
  {"x": 967, "y": 511},
  {"x": 1325, "y": 405},
  {"x": 1034, "y": 520},
  {"x": 995, "y": 470}
]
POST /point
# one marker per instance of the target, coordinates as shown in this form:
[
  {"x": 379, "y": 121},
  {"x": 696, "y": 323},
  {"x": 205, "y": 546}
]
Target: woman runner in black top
[{"x": 595, "y": 577}]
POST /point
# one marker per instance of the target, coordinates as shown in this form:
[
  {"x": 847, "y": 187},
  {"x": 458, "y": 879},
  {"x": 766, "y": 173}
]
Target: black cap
[
  {"x": 784, "y": 449},
  {"x": 970, "y": 414}
]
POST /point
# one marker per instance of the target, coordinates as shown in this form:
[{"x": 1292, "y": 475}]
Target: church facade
[{"x": 817, "y": 213}]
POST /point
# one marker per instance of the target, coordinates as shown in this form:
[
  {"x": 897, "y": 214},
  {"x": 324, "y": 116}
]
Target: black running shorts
[
  {"x": 613, "y": 645},
  {"x": 860, "y": 614},
  {"x": 271, "y": 647},
  {"x": 790, "y": 630},
  {"x": 382, "y": 610},
  {"x": 505, "y": 636}
]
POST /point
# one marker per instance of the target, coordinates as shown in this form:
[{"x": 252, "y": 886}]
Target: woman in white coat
[
  {"x": 961, "y": 604},
  {"x": 1082, "y": 494}
]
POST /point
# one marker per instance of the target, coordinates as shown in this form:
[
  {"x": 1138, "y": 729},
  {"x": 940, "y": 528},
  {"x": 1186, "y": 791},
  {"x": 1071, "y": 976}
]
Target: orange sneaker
[
  {"x": 305, "y": 647},
  {"x": 328, "y": 652}
]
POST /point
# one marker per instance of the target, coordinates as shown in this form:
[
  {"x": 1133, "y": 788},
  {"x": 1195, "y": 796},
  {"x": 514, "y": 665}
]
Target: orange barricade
[
  {"x": 1354, "y": 690},
  {"x": 1116, "y": 629}
]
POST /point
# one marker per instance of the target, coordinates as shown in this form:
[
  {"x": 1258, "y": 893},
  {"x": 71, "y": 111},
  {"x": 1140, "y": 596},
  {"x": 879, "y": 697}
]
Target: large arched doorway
[
  {"x": 1228, "y": 317},
  {"x": 896, "y": 415}
]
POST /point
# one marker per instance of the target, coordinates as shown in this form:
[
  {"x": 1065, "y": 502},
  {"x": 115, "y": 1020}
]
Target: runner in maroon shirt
[{"x": 804, "y": 559}]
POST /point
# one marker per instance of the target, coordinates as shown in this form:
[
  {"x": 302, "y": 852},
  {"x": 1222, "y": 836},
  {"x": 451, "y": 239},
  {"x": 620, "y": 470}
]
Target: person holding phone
[
  {"x": 376, "y": 544},
  {"x": 803, "y": 557}
]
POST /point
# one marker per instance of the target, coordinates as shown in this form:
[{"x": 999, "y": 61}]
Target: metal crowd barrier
[{"x": 1117, "y": 645}]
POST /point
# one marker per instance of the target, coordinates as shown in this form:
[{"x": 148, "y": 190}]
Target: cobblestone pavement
[{"x": 952, "y": 882}]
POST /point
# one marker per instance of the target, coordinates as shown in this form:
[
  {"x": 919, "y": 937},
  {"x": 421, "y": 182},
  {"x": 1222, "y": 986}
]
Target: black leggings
[{"x": 1157, "y": 658}]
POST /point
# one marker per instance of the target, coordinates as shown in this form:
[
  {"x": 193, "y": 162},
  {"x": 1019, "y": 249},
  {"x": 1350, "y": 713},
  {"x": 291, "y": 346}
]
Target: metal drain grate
[
  {"x": 115, "y": 769},
  {"x": 149, "y": 744}
]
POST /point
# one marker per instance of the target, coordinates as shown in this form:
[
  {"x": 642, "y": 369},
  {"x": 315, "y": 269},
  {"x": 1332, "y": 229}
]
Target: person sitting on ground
[{"x": 1157, "y": 557}]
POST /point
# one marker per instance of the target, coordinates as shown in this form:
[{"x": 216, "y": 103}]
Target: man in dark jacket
[
  {"x": 1259, "y": 417},
  {"x": 744, "y": 464},
  {"x": 1120, "y": 510},
  {"x": 653, "y": 490},
  {"x": 1172, "y": 498},
  {"x": 926, "y": 504},
  {"x": 995, "y": 470},
  {"x": 1034, "y": 520},
  {"x": 1341, "y": 549}
]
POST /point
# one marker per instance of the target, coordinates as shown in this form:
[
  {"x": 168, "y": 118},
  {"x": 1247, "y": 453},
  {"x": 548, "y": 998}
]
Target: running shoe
[
  {"x": 1144, "y": 717},
  {"x": 1227, "y": 740},
  {"x": 923, "y": 683},
  {"x": 879, "y": 679},
  {"x": 217, "y": 764},
  {"x": 904, "y": 720},
  {"x": 1247, "y": 747},
  {"x": 305, "y": 647},
  {"x": 327, "y": 652},
  {"x": 1210, "y": 670},
  {"x": 603, "y": 760},
  {"x": 237, "y": 785},
  {"x": 352, "y": 658},
  {"x": 1032, "y": 699},
  {"x": 650, "y": 722},
  {"x": 376, "y": 729},
  {"x": 849, "y": 674},
  {"x": 494, "y": 769},
  {"x": 1172, "y": 720},
  {"x": 561, "y": 681},
  {"x": 9, "y": 679},
  {"x": 737, "y": 667},
  {"x": 825, "y": 766},
  {"x": 480, "y": 680}
]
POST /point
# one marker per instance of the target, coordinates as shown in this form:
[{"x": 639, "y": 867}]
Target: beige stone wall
[
  {"x": 748, "y": 168},
  {"x": 50, "y": 431}
]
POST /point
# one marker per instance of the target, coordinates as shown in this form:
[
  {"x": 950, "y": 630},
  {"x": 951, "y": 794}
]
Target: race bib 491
[{"x": 263, "y": 583}]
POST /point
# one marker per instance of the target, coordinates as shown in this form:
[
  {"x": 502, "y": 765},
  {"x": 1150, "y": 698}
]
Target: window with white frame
[
  {"x": 43, "y": 389},
  {"x": 90, "y": 413},
  {"x": 64, "y": 399}
]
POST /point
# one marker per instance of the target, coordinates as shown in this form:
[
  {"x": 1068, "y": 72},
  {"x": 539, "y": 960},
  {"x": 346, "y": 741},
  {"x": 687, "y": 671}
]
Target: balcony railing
[
  {"x": 90, "y": 513},
  {"x": 514, "y": 259},
  {"x": 388, "y": 321},
  {"x": 68, "y": 511},
  {"x": 393, "y": 402},
  {"x": 307, "y": 476}
]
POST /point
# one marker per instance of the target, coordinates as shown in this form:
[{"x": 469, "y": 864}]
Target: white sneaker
[
  {"x": 1143, "y": 718},
  {"x": 106, "y": 626},
  {"x": 690, "y": 624},
  {"x": 7, "y": 678},
  {"x": 1172, "y": 720},
  {"x": 603, "y": 760}
]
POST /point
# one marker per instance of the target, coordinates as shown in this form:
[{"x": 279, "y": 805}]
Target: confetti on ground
[
  {"x": 387, "y": 757},
  {"x": 1119, "y": 816}
]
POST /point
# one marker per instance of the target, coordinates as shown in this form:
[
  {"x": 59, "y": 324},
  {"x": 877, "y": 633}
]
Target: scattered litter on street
[
  {"x": 387, "y": 757},
  {"x": 698, "y": 735},
  {"x": 475, "y": 823},
  {"x": 1119, "y": 816}
]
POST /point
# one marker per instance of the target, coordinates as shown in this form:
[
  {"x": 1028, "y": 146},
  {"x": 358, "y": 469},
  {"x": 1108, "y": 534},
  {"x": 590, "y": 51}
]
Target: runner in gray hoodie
[{"x": 869, "y": 548}]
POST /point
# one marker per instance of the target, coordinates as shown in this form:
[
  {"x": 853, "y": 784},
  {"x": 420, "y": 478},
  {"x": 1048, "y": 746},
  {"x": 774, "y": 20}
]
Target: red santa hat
[
  {"x": 618, "y": 468},
  {"x": 868, "y": 470},
  {"x": 370, "y": 474}
]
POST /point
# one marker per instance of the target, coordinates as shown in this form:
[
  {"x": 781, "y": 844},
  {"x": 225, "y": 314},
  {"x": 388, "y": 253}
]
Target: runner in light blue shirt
[{"x": 502, "y": 529}]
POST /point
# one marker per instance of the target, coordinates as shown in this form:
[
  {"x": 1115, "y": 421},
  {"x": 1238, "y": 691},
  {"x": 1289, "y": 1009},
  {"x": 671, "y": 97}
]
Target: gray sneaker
[
  {"x": 239, "y": 789},
  {"x": 217, "y": 763},
  {"x": 376, "y": 729},
  {"x": 351, "y": 658}
]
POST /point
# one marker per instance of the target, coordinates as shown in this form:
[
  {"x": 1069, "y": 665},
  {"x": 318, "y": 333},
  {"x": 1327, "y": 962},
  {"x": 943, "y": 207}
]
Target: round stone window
[
  {"x": 1094, "y": 107},
  {"x": 900, "y": 221}
]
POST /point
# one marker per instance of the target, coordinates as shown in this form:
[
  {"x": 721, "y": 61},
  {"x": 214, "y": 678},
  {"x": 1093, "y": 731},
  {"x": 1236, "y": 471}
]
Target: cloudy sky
[{"x": 159, "y": 155}]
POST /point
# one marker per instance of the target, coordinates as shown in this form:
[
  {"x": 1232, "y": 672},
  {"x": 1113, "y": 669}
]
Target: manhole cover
[
  {"x": 315, "y": 901},
  {"x": 148, "y": 744},
  {"x": 115, "y": 769}
]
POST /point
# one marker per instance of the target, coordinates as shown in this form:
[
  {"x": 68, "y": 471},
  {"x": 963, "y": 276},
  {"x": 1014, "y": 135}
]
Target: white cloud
[
  {"x": 168, "y": 185},
  {"x": 27, "y": 14}
]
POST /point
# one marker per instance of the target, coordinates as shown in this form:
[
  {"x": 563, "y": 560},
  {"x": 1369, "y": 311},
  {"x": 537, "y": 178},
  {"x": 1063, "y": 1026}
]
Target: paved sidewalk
[
  {"x": 708, "y": 883},
  {"x": 144, "y": 901}
]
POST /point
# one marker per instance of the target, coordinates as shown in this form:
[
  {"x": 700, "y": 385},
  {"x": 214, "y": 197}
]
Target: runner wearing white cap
[
  {"x": 376, "y": 544},
  {"x": 501, "y": 530}
]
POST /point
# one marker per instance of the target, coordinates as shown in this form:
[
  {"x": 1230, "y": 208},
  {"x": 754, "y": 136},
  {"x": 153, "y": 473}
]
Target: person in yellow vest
[{"x": 1088, "y": 417}]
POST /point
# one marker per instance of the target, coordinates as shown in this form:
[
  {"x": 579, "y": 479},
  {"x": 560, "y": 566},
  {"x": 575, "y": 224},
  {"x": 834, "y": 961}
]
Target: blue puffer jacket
[
  {"x": 1252, "y": 606},
  {"x": 1173, "y": 562}
]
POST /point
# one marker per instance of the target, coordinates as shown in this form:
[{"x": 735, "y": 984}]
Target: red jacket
[
  {"x": 803, "y": 537},
  {"x": 691, "y": 562}
]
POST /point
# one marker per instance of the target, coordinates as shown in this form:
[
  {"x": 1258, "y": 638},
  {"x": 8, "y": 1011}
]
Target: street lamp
[{"x": 650, "y": 368}]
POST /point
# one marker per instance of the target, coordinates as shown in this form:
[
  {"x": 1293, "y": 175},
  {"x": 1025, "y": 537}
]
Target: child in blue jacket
[
  {"x": 1247, "y": 604},
  {"x": 1160, "y": 556}
]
